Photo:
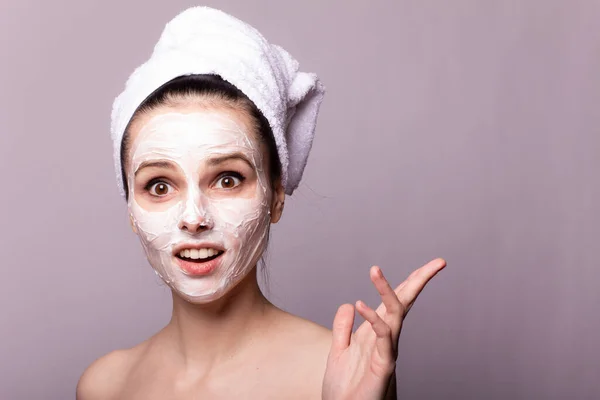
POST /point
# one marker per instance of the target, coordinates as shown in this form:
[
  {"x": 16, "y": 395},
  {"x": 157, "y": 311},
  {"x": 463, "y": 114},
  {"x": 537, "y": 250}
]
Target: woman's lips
[{"x": 198, "y": 268}]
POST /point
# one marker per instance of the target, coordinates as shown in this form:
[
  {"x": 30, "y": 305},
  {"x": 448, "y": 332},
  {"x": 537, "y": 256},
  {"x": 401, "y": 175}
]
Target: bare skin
[
  {"x": 241, "y": 346},
  {"x": 235, "y": 347},
  {"x": 273, "y": 354}
]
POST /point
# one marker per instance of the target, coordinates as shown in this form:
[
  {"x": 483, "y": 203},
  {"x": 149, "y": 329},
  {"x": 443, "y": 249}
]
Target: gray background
[{"x": 462, "y": 129}]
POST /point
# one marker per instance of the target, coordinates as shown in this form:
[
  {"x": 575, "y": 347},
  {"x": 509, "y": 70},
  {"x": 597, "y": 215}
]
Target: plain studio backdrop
[{"x": 461, "y": 129}]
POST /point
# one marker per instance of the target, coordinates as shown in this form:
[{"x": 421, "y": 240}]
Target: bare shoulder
[
  {"x": 300, "y": 331},
  {"x": 306, "y": 345},
  {"x": 106, "y": 376}
]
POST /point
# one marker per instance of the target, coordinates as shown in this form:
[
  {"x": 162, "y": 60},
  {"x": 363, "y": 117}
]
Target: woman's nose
[
  {"x": 195, "y": 225},
  {"x": 195, "y": 218}
]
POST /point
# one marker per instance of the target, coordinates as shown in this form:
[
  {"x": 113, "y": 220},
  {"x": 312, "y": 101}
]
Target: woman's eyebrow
[
  {"x": 214, "y": 161},
  {"x": 156, "y": 164}
]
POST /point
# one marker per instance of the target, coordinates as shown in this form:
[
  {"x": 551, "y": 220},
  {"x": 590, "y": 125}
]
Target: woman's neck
[{"x": 204, "y": 335}]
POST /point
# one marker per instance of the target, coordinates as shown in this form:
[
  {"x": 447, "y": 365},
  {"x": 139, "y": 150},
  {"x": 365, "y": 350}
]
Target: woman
[{"x": 210, "y": 135}]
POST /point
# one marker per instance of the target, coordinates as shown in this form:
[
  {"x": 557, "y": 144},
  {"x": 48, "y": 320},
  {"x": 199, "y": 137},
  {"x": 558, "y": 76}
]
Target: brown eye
[
  {"x": 159, "y": 189},
  {"x": 228, "y": 182}
]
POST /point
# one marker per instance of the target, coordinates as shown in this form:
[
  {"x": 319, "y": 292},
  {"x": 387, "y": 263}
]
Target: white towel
[{"x": 203, "y": 40}]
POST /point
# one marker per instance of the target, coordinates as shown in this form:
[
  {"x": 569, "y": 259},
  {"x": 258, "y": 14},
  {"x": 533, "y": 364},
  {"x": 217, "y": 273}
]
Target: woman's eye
[
  {"x": 228, "y": 181},
  {"x": 158, "y": 189}
]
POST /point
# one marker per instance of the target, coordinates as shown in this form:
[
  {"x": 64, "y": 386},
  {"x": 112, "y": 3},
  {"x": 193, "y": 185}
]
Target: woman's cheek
[
  {"x": 156, "y": 227},
  {"x": 239, "y": 213}
]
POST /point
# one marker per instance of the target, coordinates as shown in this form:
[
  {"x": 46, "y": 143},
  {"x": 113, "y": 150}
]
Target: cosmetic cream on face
[{"x": 203, "y": 238}]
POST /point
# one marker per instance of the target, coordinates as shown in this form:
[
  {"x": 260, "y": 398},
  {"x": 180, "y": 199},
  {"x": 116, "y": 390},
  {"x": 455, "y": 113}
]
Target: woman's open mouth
[{"x": 199, "y": 261}]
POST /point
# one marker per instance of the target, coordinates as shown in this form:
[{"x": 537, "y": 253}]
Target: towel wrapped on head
[{"x": 203, "y": 40}]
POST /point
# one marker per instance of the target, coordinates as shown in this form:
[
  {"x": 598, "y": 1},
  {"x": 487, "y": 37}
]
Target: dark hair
[{"x": 210, "y": 87}]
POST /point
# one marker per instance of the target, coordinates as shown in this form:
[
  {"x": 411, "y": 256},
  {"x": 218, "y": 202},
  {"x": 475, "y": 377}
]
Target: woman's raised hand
[{"x": 361, "y": 364}]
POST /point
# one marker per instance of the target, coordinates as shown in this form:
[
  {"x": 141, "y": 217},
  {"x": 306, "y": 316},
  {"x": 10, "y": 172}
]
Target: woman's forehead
[
  {"x": 202, "y": 129},
  {"x": 192, "y": 128}
]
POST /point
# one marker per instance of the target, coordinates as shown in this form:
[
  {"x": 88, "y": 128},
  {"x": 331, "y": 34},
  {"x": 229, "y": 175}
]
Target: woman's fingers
[
  {"x": 408, "y": 290},
  {"x": 400, "y": 287},
  {"x": 394, "y": 307},
  {"x": 382, "y": 331},
  {"x": 394, "y": 310},
  {"x": 342, "y": 328}
]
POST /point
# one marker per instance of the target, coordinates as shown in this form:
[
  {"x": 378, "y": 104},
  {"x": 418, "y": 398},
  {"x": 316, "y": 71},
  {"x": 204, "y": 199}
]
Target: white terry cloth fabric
[{"x": 203, "y": 40}]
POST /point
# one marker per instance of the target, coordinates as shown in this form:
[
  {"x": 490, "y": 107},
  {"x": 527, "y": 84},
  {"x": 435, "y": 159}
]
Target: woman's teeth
[{"x": 198, "y": 254}]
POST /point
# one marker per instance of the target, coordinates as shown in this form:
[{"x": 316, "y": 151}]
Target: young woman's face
[{"x": 199, "y": 197}]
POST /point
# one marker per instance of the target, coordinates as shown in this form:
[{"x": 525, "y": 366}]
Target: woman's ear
[
  {"x": 277, "y": 202},
  {"x": 133, "y": 228}
]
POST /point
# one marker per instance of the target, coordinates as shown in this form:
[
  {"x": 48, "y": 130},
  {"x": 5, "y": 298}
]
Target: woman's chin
[
  {"x": 206, "y": 290},
  {"x": 203, "y": 288},
  {"x": 200, "y": 292}
]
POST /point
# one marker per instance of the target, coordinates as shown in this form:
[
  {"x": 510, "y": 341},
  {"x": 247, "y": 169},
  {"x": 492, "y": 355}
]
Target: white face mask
[{"x": 205, "y": 209}]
